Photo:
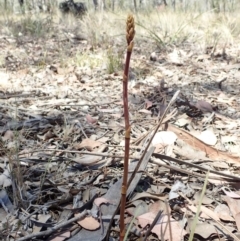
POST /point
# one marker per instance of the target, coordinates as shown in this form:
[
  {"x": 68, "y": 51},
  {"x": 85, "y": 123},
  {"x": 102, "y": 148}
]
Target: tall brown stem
[{"x": 129, "y": 36}]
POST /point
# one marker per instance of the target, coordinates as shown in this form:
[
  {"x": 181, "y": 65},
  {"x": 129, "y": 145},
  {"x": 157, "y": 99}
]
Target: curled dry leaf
[
  {"x": 204, "y": 106},
  {"x": 89, "y": 223},
  {"x": 48, "y": 135},
  {"x": 98, "y": 201},
  {"x": 91, "y": 120},
  {"x": 89, "y": 144},
  {"x": 9, "y": 135},
  {"x": 148, "y": 104},
  {"x": 87, "y": 160},
  {"x": 197, "y": 144}
]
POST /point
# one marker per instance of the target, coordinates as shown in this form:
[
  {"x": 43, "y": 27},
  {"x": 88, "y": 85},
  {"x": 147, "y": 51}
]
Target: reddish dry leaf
[
  {"x": 74, "y": 191},
  {"x": 159, "y": 205},
  {"x": 90, "y": 120},
  {"x": 89, "y": 223},
  {"x": 89, "y": 144},
  {"x": 204, "y": 106},
  {"x": 162, "y": 226},
  {"x": 8, "y": 135},
  {"x": 87, "y": 160},
  {"x": 197, "y": 144},
  {"x": 48, "y": 135},
  {"x": 148, "y": 104},
  {"x": 100, "y": 200}
]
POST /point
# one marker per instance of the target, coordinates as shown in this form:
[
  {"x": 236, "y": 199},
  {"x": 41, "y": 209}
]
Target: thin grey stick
[
  {"x": 168, "y": 158},
  {"x": 50, "y": 231}
]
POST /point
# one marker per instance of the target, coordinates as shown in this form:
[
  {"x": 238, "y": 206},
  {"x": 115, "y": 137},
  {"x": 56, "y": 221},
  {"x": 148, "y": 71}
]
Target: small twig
[
  {"x": 101, "y": 221},
  {"x": 86, "y": 104},
  {"x": 79, "y": 125},
  {"x": 191, "y": 173},
  {"x": 160, "y": 156},
  {"x": 78, "y": 152},
  {"x": 220, "y": 82},
  {"x": 50, "y": 231},
  {"x": 29, "y": 215}
]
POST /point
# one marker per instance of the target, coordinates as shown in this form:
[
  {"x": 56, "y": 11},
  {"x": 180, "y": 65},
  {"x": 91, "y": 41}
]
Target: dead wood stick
[
  {"x": 50, "y": 231},
  {"x": 190, "y": 173},
  {"x": 77, "y": 152},
  {"x": 168, "y": 158}
]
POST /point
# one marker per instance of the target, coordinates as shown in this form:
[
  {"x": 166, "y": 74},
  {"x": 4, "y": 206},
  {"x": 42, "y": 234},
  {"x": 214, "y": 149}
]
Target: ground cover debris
[{"x": 62, "y": 122}]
